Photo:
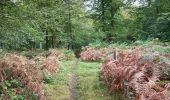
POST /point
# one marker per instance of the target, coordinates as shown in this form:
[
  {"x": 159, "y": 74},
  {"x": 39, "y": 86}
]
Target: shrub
[
  {"x": 30, "y": 78},
  {"x": 134, "y": 74},
  {"x": 50, "y": 64},
  {"x": 90, "y": 54},
  {"x": 62, "y": 54},
  {"x": 56, "y": 53},
  {"x": 69, "y": 55},
  {"x": 164, "y": 68},
  {"x": 94, "y": 54},
  {"x": 22, "y": 78}
]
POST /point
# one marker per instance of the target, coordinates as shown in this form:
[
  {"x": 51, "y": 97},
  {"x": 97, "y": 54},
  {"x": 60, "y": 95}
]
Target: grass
[
  {"x": 89, "y": 86},
  {"x": 58, "y": 89}
]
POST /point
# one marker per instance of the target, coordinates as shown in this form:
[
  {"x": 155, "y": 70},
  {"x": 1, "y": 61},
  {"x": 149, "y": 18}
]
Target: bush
[
  {"x": 69, "y": 55},
  {"x": 48, "y": 65},
  {"x": 23, "y": 72},
  {"x": 62, "y": 54},
  {"x": 134, "y": 74},
  {"x": 23, "y": 78},
  {"x": 51, "y": 64},
  {"x": 90, "y": 54},
  {"x": 94, "y": 54}
]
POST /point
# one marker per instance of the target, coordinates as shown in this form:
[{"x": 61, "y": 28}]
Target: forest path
[
  {"x": 89, "y": 86},
  {"x": 77, "y": 80},
  {"x": 73, "y": 81}
]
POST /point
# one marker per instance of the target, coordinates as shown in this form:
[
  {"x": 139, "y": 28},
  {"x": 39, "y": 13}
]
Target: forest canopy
[{"x": 74, "y": 23}]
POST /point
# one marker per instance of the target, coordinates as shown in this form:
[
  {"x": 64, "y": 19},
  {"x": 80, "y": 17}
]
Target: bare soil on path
[{"x": 73, "y": 82}]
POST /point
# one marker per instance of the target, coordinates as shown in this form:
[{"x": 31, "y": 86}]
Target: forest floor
[
  {"x": 77, "y": 80},
  {"x": 73, "y": 82}
]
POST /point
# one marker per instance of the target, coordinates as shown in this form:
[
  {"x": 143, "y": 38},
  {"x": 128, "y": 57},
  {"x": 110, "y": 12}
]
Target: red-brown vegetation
[
  {"x": 94, "y": 54},
  {"x": 135, "y": 73},
  {"x": 30, "y": 73}
]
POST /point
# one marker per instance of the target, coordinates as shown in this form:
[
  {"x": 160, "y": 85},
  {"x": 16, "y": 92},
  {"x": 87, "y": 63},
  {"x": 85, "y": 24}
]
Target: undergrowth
[
  {"x": 135, "y": 74},
  {"x": 23, "y": 78}
]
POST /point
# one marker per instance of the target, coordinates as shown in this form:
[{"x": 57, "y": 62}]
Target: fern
[
  {"x": 94, "y": 54},
  {"x": 131, "y": 72},
  {"x": 17, "y": 67}
]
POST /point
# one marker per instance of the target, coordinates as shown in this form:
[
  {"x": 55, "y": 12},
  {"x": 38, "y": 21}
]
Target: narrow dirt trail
[{"x": 73, "y": 82}]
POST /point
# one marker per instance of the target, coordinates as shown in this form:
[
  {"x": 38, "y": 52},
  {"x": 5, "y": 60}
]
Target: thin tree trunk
[
  {"x": 52, "y": 41},
  {"x": 46, "y": 39},
  {"x": 112, "y": 14},
  {"x": 103, "y": 15},
  {"x": 68, "y": 24}
]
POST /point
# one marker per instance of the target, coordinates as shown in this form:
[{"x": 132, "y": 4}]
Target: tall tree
[{"x": 68, "y": 24}]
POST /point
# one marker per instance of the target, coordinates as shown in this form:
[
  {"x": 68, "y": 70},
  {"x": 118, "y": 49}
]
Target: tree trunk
[
  {"x": 112, "y": 14},
  {"x": 68, "y": 24},
  {"x": 52, "y": 41},
  {"x": 103, "y": 15},
  {"x": 46, "y": 39}
]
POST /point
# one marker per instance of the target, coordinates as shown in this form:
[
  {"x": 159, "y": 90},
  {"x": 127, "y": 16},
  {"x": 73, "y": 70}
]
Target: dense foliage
[
  {"x": 137, "y": 75},
  {"x": 43, "y": 24},
  {"x": 129, "y": 20},
  {"x": 22, "y": 78},
  {"x": 28, "y": 80},
  {"x": 94, "y": 54},
  {"x": 57, "y": 23}
]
